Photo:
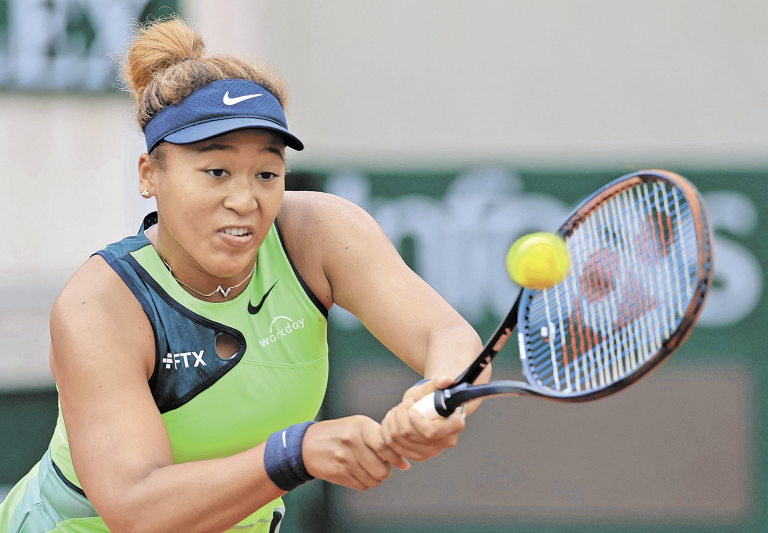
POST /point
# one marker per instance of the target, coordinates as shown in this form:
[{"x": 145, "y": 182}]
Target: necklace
[{"x": 223, "y": 292}]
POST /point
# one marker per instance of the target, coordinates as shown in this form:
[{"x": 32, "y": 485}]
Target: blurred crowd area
[{"x": 459, "y": 126}]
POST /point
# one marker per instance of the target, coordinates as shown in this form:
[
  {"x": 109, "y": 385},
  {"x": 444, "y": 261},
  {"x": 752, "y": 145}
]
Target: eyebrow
[
  {"x": 276, "y": 151},
  {"x": 213, "y": 147},
  {"x": 229, "y": 148}
]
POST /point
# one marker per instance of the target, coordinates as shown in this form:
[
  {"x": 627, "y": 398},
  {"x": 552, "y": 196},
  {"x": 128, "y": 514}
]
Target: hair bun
[{"x": 158, "y": 46}]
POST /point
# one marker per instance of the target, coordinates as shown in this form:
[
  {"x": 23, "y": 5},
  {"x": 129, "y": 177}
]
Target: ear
[{"x": 148, "y": 175}]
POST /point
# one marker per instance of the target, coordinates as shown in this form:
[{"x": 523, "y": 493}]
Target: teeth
[{"x": 236, "y": 231}]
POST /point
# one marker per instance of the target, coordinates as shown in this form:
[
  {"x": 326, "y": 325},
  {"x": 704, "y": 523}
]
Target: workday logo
[
  {"x": 281, "y": 327},
  {"x": 461, "y": 241}
]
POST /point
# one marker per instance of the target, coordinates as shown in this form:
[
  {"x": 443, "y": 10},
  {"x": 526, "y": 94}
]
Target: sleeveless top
[{"x": 215, "y": 406}]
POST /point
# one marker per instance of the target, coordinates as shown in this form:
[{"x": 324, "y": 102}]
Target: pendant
[{"x": 223, "y": 292}]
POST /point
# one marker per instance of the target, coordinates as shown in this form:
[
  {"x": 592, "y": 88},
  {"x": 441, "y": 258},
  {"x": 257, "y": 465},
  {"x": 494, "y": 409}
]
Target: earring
[{"x": 145, "y": 193}]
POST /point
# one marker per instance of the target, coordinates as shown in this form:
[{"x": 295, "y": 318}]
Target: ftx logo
[{"x": 175, "y": 359}]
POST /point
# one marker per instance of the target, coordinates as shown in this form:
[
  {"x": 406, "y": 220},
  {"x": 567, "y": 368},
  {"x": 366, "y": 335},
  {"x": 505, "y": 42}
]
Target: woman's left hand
[{"x": 414, "y": 436}]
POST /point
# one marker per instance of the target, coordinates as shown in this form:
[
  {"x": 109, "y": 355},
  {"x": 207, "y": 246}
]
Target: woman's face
[{"x": 216, "y": 201}]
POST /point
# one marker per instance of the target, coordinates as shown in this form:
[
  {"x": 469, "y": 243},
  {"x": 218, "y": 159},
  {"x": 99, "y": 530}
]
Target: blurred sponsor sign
[
  {"x": 458, "y": 242},
  {"x": 56, "y": 45}
]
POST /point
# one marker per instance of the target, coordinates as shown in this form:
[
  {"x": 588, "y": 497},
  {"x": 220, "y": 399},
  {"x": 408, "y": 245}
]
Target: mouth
[
  {"x": 237, "y": 232},
  {"x": 237, "y": 236}
]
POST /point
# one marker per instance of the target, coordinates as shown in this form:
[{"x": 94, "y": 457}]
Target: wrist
[{"x": 283, "y": 459}]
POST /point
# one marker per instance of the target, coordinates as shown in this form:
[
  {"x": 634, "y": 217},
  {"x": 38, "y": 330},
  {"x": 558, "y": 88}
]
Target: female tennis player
[{"x": 191, "y": 359}]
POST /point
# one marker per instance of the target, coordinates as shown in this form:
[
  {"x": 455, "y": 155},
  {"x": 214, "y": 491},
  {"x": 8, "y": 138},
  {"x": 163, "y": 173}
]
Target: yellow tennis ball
[{"x": 538, "y": 260}]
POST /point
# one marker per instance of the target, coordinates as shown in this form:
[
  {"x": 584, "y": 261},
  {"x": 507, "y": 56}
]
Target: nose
[{"x": 241, "y": 196}]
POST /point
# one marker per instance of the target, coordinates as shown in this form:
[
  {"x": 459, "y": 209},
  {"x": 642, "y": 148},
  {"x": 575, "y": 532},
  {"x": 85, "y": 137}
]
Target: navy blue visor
[{"x": 220, "y": 107}]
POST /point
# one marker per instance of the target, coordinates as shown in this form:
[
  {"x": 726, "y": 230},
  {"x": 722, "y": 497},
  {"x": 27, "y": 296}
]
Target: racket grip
[{"x": 426, "y": 406}]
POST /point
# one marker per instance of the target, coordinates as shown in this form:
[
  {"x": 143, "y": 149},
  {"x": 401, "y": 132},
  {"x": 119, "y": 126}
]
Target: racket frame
[{"x": 461, "y": 391}]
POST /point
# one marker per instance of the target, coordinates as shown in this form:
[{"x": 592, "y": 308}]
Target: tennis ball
[{"x": 538, "y": 260}]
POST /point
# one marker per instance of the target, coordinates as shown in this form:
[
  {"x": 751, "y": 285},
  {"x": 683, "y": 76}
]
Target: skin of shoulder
[
  {"x": 95, "y": 304},
  {"x": 347, "y": 259},
  {"x": 323, "y": 233}
]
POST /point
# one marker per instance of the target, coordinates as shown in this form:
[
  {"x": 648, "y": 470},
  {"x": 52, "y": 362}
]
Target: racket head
[{"x": 645, "y": 239}]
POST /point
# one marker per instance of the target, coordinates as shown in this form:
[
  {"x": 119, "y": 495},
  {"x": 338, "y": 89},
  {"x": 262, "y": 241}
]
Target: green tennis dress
[{"x": 213, "y": 405}]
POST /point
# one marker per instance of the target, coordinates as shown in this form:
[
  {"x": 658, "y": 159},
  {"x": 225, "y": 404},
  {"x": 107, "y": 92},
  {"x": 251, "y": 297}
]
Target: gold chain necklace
[{"x": 223, "y": 292}]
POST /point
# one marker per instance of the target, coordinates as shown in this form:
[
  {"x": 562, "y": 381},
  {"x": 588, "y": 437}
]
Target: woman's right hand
[{"x": 351, "y": 452}]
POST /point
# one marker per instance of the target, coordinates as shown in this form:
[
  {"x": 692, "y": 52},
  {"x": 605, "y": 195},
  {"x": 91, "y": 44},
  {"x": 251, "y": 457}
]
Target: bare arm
[{"x": 363, "y": 273}]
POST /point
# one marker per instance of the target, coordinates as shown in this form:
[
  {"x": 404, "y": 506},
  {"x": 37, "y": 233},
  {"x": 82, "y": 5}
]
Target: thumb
[
  {"x": 402, "y": 463},
  {"x": 417, "y": 392},
  {"x": 443, "y": 382}
]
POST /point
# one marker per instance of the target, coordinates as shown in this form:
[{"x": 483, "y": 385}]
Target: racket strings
[{"x": 633, "y": 271}]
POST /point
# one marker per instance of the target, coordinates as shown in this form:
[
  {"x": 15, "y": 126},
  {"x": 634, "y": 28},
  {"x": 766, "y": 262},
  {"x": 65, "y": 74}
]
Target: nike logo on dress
[
  {"x": 253, "y": 310},
  {"x": 237, "y": 100}
]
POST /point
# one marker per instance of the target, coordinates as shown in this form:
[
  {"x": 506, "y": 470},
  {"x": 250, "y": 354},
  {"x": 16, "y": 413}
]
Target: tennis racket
[{"x": 641, "y": 268}]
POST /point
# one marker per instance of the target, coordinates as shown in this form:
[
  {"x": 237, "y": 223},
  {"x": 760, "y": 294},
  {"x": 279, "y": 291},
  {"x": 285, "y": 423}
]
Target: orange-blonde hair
[{"x": 167, "y": 62}]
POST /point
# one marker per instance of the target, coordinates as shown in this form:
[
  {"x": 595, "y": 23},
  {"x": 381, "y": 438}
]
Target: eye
[
  {"x": 217, "y": 173},
  {"x": 267, "y": 176}
]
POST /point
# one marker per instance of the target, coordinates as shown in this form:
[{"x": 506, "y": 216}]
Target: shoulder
[
  {"x": 305, "y": 205},
  {"x": 95, "y": 282},
  {"x": 97, "y": 309},
  {"x": 323, "y": 218},
  {"x": 320, "y": 230}
]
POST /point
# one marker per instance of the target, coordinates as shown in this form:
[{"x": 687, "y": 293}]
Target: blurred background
[{"x": 438, "y": 116}]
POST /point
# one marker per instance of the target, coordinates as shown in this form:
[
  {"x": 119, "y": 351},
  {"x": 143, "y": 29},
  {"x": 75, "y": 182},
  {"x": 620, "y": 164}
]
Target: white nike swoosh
[{"x": 233, "y": 101}]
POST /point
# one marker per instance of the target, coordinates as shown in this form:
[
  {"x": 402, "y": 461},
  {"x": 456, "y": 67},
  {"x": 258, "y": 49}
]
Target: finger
[
  {"x": 390, "y": 433},
  {"x": 349, "y": 472},
  {"x": 427, "y": 431},
  {"x": 374, "y": 438},
  {"x": 351, "y": 482},
  {"x": 392, "y": 457},
  {"x": 417, "y": 392},
  {"x": 405, "y": 439},
  {"x": 361, "y": 474},
  {"x": 346, "y": 471},
  {"x": 373, "y": 468},
  {"x": 369, "y": 468},
  {"x": 443, "y": 431}
]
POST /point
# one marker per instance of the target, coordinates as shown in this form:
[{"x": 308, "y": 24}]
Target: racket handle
[{"x": 426, "y": 406}]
